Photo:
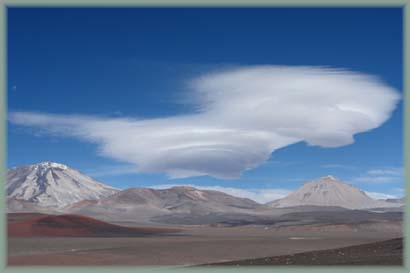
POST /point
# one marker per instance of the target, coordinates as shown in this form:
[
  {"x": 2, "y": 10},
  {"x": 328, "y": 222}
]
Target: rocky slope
[
  {"x": 52, "y": 185},
  {"x": 329, "y": 191},
  {"x": 142, "y": 204}
]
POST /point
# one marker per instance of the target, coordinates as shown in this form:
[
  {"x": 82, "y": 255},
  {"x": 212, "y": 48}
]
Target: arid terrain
[
  {"x": 42, "y": 225},
  {"x": 183, "y": 245}
]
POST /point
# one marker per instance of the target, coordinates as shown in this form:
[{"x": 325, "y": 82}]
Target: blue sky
[{"x": 139, "y": 64}]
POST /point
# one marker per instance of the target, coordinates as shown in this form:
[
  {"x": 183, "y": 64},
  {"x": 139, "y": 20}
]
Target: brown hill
[{"x": 71, "y": 225}]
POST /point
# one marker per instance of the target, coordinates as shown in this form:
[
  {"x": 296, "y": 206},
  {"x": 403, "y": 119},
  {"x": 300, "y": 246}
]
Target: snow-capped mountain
[
  {"x": 53, "y": 185},
  {"x": 329, "y": 191}
]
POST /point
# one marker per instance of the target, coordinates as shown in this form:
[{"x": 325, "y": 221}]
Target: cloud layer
[
  {"x": 242, "y": 115},
  {"x": 381, "y": 176}
]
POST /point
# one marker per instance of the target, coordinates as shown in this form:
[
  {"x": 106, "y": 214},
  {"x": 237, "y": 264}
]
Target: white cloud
[
  {"x": 337, "y": 166},
  {"x": 389, "y": 171},
  {"x": 243, "y": 115},
  {"x": 376, "y": 179},
  {"x": 259, "y": 195},
  {"x": 381, "y": 176},
  {"x": 379, "y": 195},
  {"x": 398, "y": 190}
]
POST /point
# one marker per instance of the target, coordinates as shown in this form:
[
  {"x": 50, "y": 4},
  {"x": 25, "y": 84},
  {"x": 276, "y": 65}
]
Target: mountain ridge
[
  {"x": 46, "y": 184},
  {"x": 145, "y": 204}
]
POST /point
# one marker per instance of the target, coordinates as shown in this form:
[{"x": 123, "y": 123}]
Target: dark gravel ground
[{"x": 388, "y": 252}]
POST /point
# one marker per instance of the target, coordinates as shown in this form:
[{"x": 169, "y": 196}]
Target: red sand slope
[{"x": 72, "y": 225}]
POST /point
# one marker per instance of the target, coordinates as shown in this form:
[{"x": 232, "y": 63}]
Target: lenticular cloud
[{"x": 243, "y": 115}]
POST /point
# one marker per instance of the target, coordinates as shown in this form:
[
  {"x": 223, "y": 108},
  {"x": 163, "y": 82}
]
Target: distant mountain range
[
  {"x": 145, "y": 204},
  {"x": 50, "y": 187}
]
